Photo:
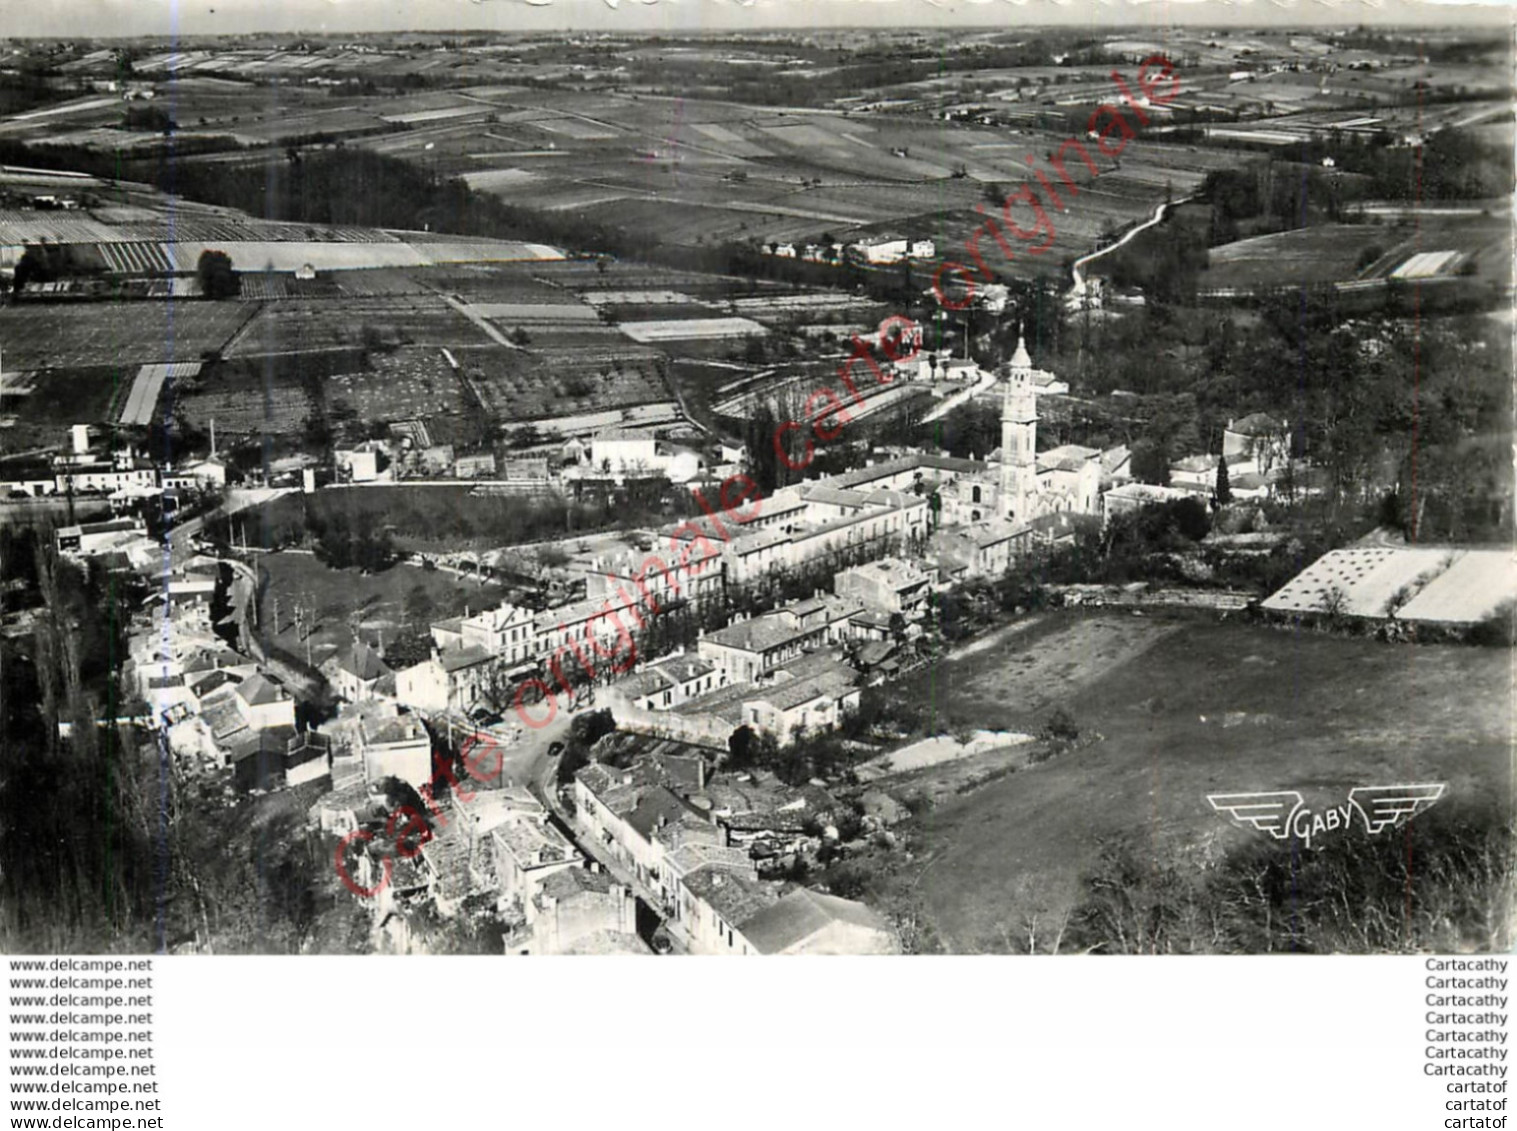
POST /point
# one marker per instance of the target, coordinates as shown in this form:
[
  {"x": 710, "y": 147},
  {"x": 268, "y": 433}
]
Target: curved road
[{"x": 1158, "y": 217}]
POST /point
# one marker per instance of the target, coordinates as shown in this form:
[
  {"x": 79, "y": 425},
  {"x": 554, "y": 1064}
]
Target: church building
[{"x": 1066, "y": 479}]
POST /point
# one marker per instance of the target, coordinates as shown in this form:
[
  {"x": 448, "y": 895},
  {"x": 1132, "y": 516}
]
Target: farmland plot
[
  {"x": 1478, "y": 244},
  {"x": 1329, "y": 253},
  {"x": 374, "y": 282},
  {"x": 248, "y": 400},
  {"x": 51, "y": 398},
  {"x": 532, "y": 314},
  {"x": 534, "y": 384},
  {"x": 283, "y": 327},
  {"x": 105, "y": 334},
  {"x": 277, "y": 127},
  {"x": 143, "y": 398},
  {"x": 680, "y": 329},
  {"x": 495, "y": 283}
]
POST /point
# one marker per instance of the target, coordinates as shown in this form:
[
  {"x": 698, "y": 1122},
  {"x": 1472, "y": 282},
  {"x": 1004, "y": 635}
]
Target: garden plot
[
  {"x": 413, "y": 383},
  {"x": 533, "y": 384},
  {"x": 263, "y": 286},
  {"x": 248, "y": 401}
]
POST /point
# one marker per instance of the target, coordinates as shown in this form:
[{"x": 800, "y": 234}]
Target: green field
[
  {"x": 1185, "y": 708},
  {"x": 344, "y": 600}
]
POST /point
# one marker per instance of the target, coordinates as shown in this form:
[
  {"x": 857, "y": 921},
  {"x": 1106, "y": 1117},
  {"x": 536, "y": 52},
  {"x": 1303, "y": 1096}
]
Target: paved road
[{"x": 523, "y": 751}]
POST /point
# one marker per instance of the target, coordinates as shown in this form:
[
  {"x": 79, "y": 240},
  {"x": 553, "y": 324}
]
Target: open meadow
[
  {"x": 1169, "y": 711},
  {"x": 345, "y": 603}
]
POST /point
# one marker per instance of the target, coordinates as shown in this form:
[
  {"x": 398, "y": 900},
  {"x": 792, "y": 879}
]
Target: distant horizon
[{"x": 177, "y": 19}]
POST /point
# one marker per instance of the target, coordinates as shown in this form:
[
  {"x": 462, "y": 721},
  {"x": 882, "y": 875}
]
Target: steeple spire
[{"x": 1021, "y": 359}]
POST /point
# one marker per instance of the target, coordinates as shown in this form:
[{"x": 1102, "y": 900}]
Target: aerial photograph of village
[{"x": 799, "y": 490}]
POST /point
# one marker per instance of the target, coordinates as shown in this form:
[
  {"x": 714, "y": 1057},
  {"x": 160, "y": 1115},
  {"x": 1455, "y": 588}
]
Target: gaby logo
[{"x": 1284, "y": 814}]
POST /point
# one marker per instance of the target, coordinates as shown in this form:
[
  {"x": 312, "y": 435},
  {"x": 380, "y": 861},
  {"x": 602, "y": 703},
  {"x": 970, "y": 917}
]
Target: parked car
[{"x": 555, "y": 749}]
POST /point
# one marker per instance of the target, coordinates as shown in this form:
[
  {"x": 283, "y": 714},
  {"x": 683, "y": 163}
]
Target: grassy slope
[{"x": 1317, "y": 714}]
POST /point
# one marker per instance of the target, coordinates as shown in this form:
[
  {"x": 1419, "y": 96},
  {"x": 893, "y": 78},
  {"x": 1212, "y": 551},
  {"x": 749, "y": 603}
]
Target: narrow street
[{"x": 541, "y": 778}]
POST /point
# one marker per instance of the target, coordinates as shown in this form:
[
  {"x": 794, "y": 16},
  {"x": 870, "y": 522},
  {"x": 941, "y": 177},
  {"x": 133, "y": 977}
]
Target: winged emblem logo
[{"x": 1283, "y": 814}]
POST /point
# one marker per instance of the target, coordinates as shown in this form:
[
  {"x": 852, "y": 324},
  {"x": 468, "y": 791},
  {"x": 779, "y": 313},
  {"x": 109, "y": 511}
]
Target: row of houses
[
  {"x": 688, "y": 842},
  {"x": 498, "y": 850},
  {"x": 122, "y": 473},
  {"x": 217, "y": 707},
  {"x": 874, "y": 250},
  {"x": 478, "y": 655}
]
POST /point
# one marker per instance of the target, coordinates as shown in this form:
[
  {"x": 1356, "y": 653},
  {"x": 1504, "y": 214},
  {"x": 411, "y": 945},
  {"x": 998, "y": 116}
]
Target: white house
[
  {"x": 395, "y": 747},
  {"x": 358, "y": 672},
  {"x": 454, "y": 680},
  {"x": 624, "y": 451},
  {"x": 263, "y": 703},
  {"x": 358, "y": 466}
]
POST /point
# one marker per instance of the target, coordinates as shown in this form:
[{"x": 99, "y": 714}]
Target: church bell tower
[{"x": 1019, "y": 439}]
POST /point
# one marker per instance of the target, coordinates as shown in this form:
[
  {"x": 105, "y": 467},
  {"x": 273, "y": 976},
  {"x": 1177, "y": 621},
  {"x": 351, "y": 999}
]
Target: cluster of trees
[
  {"x": 1166, "y": 260},
  {"x": 44, "y": 262},
  {"x": 883, "y": 715},
  {"x": 819, "y": 754},
  {"x": 584, "y": 732},
  {"x": 148, "y": 118},
  {"x": 103, "y": 848},
  {"x": 217, "y": 279},
  {"x": 1354, "y": 388},
  {"x": 342, "y": 544},
  {"x": 1275, "y": 195},
  {"x": 1442, "y": 884},
  {"x": 443, "y": 519},
  {"x": 77, "y": 843}
]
